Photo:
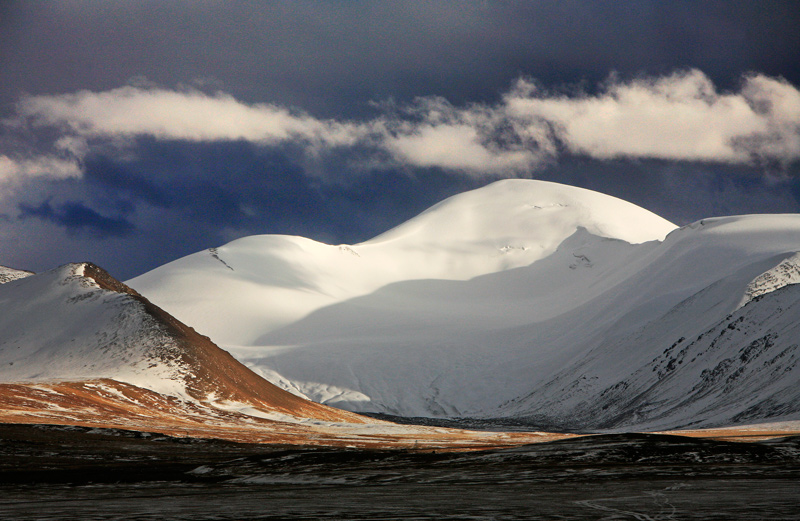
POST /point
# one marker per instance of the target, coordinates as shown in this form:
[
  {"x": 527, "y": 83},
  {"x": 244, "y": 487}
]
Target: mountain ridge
[
  {"x": 525, "y": 311},
  {"x": 149, "y": 341}
]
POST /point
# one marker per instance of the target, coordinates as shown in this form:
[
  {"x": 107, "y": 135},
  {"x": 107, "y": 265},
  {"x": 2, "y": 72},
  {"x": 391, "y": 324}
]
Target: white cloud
[
  {"x": 190, "y": 115},
  {"x": 678, "y": 117},
  {"x": 474, "y": 139},
  {"x": 456, "y": 147},
  {"x": 16, "y": 175},
  {"x": 74, "y": 145},
  {"x": 778, "y": 103}
]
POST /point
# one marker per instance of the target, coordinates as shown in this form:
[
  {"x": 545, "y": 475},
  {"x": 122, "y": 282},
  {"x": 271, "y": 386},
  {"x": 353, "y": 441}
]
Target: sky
[{"x": 134, "y": 133}]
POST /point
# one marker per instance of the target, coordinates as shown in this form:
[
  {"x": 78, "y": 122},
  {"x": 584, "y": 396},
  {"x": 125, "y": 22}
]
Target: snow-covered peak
[
  {"x": 61, "y": 325},
  {"x": 8, "y": 274},
  {"x": 240, "y": 291},
  {"x": 531, "y": 212}
]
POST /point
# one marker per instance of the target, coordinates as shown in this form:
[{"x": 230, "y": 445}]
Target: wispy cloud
[
  {"x": 456, "y": 147},
  {"x": 677, "y": 117},
  {"x": 184, "y": 115},
  {"x": 474, "y": 139},
  {"x": 44, "y": 166}
]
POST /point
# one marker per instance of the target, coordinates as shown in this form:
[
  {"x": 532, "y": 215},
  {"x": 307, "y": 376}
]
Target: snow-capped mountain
[
  {"x": 524, "y": 299},
  {"x": 255, "y": 285},
  {"x": 78, "y": 323},
  {"x": 78, "y": 347}
]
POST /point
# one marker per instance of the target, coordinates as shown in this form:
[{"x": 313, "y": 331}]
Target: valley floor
[{"x": 58, "y": 472}]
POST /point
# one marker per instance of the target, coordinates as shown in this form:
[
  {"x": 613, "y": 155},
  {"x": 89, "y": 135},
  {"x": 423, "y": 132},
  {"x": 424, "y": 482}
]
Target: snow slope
[
  {"x": 103, "y": 335},
  {"x": 239, "y": 292},
  {"x": 523, "y": 299}
]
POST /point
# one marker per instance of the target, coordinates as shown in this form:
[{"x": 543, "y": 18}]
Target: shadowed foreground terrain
[{"x": 58, "y": 472}]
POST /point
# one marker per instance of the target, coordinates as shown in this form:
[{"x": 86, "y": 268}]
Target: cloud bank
[
  {"x": 677, "y": 117},
  {"x": 112, "y": 167}
]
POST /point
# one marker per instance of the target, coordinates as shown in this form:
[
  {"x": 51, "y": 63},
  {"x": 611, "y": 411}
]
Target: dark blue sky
[{"x": 133, "y": 133}]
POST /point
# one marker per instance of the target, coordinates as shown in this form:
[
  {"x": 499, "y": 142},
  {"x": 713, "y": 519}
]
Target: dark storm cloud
[
  {"x": 332, "y": 58},
  {"x": 118, "y": 177},
  {"x": 77, "y": 217},
  {"x": 240, "y": 186},
  {"x": 341, "y": 146}
]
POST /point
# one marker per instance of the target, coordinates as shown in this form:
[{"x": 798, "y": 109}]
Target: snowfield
[{"x": 521, "y": 299}]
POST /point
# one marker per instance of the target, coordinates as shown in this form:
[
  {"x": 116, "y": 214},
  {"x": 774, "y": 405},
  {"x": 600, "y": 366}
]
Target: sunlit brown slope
[
  {"x": 212, "y": 372},
  {"x": 155, "y": 374},
  {"x": 111, "y": 404}
]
